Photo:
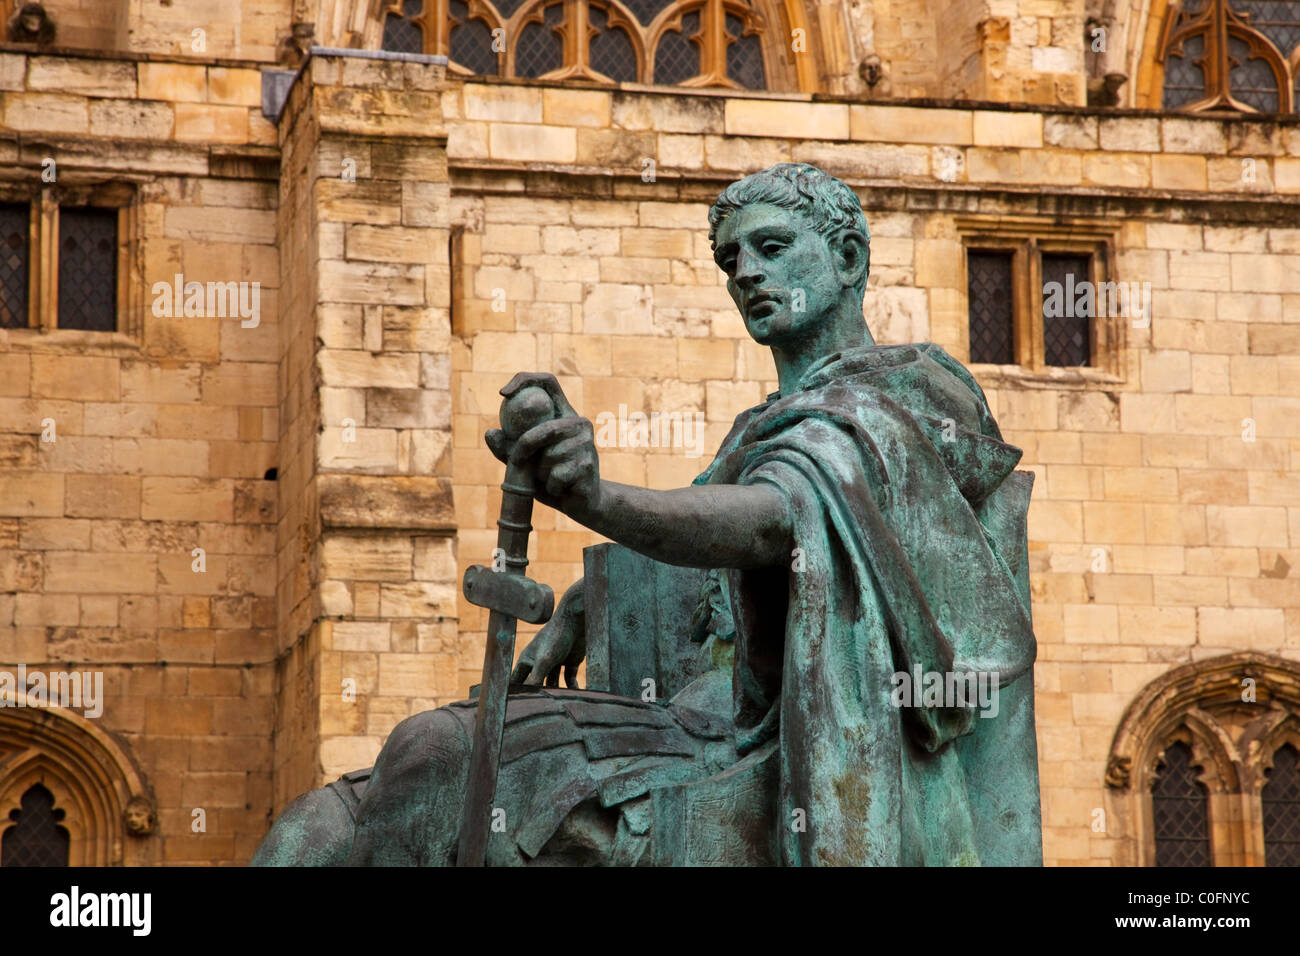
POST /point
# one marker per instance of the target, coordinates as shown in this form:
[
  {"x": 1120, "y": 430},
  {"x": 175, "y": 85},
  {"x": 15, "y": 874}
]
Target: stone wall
[
  {"x": 608, "y": 281},
  {"x": 367, "y": 608},
  {"x": 163, "y": 436}
]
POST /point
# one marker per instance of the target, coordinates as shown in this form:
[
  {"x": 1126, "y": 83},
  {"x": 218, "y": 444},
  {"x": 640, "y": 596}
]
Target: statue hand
[
  {"x": 560, "y": 454},
  {"x": 562, "y": 642}
]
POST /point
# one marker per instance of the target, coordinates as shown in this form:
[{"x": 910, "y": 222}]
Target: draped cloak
[{"x": 886, "y": 456}]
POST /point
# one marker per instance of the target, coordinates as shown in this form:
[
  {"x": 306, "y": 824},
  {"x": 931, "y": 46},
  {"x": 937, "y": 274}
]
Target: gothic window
[
  {"x": 36, "y": 838},
  {"x": 1232, "y": 55},
  {"x": 61, "y": 260},
  {"x": 1179, "y": 810},
  {"x": 1066, "y": 331},
  {"x": 991, "y": 321},
  {"x": 1281, "y": 801},
  {"x": 69, "y": 794},
  {"x": 88, "y": 269},
  {"x": 1038, "y": 298},
  {"x": 1203, "y": 768},
  {"x": 725, "y": 43},
  {"x": 15, "y": 265}
]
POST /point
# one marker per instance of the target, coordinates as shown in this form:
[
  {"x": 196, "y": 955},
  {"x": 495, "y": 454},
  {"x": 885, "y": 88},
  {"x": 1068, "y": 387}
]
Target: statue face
[{"x": 780, "y": 272}]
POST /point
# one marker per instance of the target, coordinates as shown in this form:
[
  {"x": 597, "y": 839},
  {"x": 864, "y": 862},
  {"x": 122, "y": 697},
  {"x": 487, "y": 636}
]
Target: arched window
[
  {"x": 36, "y": 838},
  {"x": 1232, "y": 55},
  {"x": 727, "y": 43},
  {"x": 1281, "y": 801},
  {"x": 1203, "y": 767},
  {"x": 69, "y": 794},
  {"x": 1180, "y": 811}
]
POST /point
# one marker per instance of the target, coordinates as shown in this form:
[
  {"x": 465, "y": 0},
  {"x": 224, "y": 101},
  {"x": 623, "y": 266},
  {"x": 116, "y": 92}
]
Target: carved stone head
[{"x": 138, "y": 817}]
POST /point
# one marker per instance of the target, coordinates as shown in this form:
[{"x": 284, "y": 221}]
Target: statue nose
[{"x": 749, "y": 272}]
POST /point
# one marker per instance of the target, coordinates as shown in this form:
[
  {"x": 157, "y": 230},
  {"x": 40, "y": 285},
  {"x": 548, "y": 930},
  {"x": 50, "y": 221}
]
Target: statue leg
[{"x": 410, "y": 813}]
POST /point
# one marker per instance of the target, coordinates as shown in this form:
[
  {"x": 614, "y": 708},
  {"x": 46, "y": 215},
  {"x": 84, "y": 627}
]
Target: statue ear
[{"x": 852, "y": 254}]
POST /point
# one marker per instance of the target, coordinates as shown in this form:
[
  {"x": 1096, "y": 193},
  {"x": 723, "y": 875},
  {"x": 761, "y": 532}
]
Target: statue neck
[{"x": 793, "y": 359}]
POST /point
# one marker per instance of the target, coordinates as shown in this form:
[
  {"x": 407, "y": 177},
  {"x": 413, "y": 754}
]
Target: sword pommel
[{"x": 526, "y": 409}]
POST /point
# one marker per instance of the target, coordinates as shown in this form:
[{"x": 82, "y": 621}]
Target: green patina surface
[{"x": 888, "y": 530}]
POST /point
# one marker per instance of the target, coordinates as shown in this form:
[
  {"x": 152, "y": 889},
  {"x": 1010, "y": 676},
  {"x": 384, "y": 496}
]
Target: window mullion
[
  {"x": 1029, "y": 302},
  {"x": 46, "y": 263}
]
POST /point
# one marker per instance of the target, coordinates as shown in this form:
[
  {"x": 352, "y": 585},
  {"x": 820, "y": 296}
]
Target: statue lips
[{"x": 763, "y": 299}]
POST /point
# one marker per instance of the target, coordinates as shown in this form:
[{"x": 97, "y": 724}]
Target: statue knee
[{"x": 314, "y": 830}]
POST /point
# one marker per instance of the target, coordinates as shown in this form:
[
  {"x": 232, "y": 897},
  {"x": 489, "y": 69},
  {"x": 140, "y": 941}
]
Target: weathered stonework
[{"x": 485, "y": 226}]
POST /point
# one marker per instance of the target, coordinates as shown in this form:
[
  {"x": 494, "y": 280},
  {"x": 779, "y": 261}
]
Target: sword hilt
[{"x": 508, "y": 595}]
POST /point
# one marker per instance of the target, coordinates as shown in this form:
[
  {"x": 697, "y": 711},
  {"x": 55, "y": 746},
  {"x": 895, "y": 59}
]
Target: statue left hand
[{"x": 560, "y": 454}]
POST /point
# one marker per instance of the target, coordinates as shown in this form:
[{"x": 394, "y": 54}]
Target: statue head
[
  {"x": 796, "y": 250},
  {"x": 138, "y": 817},
  {"x": 871, "y": 69}
]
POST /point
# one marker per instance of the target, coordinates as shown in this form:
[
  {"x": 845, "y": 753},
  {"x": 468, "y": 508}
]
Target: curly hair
[{"x": 826, "y": 203}]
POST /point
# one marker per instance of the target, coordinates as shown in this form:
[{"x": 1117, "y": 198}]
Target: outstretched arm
[{"x": 705, "y": 526}]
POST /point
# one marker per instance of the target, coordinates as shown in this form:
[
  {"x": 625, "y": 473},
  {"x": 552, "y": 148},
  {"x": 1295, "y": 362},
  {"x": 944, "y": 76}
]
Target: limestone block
[
  {"x": 501, "y": 103},
  {"x": 405, "y": 502},
  {"x": 234, "y": 86},
  {"x": 81, "y": 572},
  {"x": 1007, "y": 129},
  {"x": 187, "y": 499},
  {"x": 46, "y": 113},
  {"x": 82, "y": 378},
  {"x": 13, "y": 72},
  {"x": 1131, "y": 170},
  {"x": 617, "y": 308},
  {"x": 173, "y": 82},
  {"x": 1129, "y": 134},
  {"x": 1180, "y": 134},
  {"x": 799, "y": 120},
  {"x": 906, "y": 124},
  {"x": 668, "y": 113},
  {"x": 81, "y": 77},
  {"x": 534, "y": 144},
  {"x": 1178, "y": 172},
  {"x": 102, "y": 496},
  {"x": 369, "y": 282},
  {"x": 685, "y": 152}
]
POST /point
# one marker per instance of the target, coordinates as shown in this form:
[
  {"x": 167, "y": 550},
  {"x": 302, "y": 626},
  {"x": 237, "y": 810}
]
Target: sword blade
[{"x": 489, "y": 723}]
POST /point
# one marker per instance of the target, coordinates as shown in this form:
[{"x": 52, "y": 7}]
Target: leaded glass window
[
  {"x": 88, "y": 269},
  {"x": 401, "y": 33},
  {"x": 36, "y": 839},
  {"x": 1232, "y": 55},
  {"x": 15, "y": 265},
  {"x": 471, "y": 42},
  {"x": 744, "y": 55},
  {"x": 612, "y": 52},
  {"x": 989, "y": 284},
  {"x": 1067, "y": 317},
  {"x": 1281, "y": 801},
  {"x": 677, "y": 58},
  {"x": 1180, "y": 811},
  {"x": 693, "y": 42},
  {"x": 540, "y": 48}
]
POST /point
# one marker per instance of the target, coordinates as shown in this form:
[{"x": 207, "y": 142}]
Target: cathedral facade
[{"x": 265, "y": 265}]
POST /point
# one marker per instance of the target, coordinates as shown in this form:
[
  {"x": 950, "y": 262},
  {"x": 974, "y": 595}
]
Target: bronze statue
[{"x": 819, "y": 653}]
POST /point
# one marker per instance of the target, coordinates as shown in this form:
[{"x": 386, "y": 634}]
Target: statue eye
[{"x": 772, "y": 248}]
